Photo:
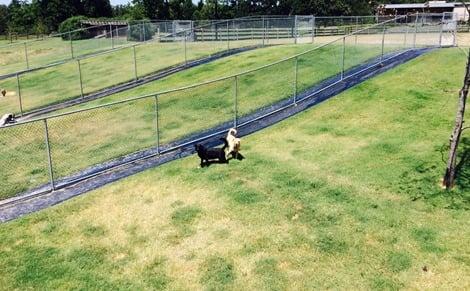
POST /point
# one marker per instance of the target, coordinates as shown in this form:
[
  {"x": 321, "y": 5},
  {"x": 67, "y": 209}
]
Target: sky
[{"x": 113, "y": 2}]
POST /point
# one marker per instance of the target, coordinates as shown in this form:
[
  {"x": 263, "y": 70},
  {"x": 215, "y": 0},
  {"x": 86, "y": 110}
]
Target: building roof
[
  {"x": 429, "y": 4},
  {"x": 96, "y": 22}
]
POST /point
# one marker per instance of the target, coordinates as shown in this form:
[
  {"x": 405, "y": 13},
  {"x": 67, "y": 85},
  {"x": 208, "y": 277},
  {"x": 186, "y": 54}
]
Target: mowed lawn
[{"x": 343, "y": 196}]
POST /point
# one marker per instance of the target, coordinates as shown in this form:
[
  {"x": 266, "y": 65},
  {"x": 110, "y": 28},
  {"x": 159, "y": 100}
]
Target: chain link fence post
[
  {"x": 26, "y": 55},
  {"x": 185, "y": 49},
  {"x": 49, "y": 156},
  {"x": 71, "y": 44},
  {"x": 263, "y": 31},
  {"x": 296, "y": 74},
  {"x": 228, "y": 36},
  {"x": 235, "y": 109},
  {"x": 383, "y": 43},
  {"x": 111, "y": 34},
  {"x": 143, "y": 29},
  {"x": 295, "y": 29},
  {"x": 342, "y": 57},
  {"x": 441, "y": 30},
  {"x": 416, "y": 30},
  {"x": 135, "y": 63},
  {"x": 80, "y": 77},
  {"x": 157, "y": 120},
  {"x": 406, "y": 32},
  {"x": 18, "y": 87},
  {"x": 313, "y": 29}
]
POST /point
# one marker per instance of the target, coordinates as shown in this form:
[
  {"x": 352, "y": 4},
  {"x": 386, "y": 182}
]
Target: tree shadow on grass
[{"x": 463, "y": 166}]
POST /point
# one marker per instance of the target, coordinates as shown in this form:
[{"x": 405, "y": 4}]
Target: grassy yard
[
  {"x": 88, "y": 138},
  {"x": 343, "y": 196}
]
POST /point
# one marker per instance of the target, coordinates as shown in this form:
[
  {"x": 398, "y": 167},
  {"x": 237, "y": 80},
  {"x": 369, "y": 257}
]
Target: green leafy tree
[{"x": 97, "y": 8}]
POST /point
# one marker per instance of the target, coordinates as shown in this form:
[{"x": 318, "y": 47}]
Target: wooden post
[{"x": 449, "y": 176}]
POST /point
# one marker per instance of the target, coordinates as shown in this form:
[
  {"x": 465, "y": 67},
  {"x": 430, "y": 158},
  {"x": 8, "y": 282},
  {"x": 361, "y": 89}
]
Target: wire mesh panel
[
  {"x": 394, "y": 37},
  {"x": 103, "y": 134},
  {"x": 106, "y": 70},
  {"x": 23, "y": 158},
  {"x": 48, "y": 86},
  {"x": 155, "y": 56},
  {"x": 318, "y": 65},
  {"x": 12, "y": 58},
  {"x": 305, "y": 26},
  {"x": 9, "y": 103},
  {"x": 449, "y": 29},
  {"x": 427, "y": 30},
  {"x": 186, "y": 112},
  {"x": 357, "y": 53},
  {"x": 271, "y": 84},
  {"x": 50, "y": 50}
]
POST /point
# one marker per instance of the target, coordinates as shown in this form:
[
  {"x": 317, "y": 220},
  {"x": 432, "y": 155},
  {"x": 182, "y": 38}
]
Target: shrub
[{"x": 73, "y": 24}]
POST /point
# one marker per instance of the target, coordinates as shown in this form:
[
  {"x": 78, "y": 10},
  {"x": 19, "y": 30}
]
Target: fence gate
[{"x": 305, "y": 28}]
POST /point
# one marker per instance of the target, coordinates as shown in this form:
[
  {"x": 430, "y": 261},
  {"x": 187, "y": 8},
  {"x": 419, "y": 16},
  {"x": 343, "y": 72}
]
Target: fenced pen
[
  {"x": 48, "y": 151},
  {"x": 164, "y": 45}
]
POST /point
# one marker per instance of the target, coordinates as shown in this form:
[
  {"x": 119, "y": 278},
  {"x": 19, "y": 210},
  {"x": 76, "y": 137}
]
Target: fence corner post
[{"x": 49, "y": 156}]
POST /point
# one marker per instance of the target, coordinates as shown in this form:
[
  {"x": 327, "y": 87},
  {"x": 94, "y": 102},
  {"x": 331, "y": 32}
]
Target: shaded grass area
[
  {"x": 92, "y": 137},
  {"x": 318, "y": 203}
]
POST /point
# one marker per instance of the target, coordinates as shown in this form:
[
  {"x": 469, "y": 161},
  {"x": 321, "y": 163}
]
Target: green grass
[
  {"x": 347, "y": 196},
  {"x": 49, "y": 50},
  {"x": 62, "y": 82},
  {"x": 92, "y": 137}
]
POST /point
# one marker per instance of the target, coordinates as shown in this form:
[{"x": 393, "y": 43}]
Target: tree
[
  {"x": 54, "y": 12},
  {"x": 3, "y": 19},
  {"x": 97, "y": 8},
  {"x": 21, "y": 17},
  {"x": 153, "y": 9},
  {"x": 449, "y": 176}
]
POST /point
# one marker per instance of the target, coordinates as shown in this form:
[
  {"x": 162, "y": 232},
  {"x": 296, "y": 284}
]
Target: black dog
[{"x": 206, "y": 154}]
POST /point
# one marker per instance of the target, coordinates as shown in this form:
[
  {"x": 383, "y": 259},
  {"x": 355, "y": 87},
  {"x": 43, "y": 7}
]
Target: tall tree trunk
[{"x": 449, "y": 177}]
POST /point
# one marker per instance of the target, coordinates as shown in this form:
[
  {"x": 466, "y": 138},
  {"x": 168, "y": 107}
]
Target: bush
[
  {"x": 141, "y": 31},
  {"x": 72, "y": 24}
]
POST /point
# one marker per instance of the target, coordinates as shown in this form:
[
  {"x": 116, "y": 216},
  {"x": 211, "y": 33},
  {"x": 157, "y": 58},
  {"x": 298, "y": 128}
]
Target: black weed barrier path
[
  {"x": 132, "y": 84},
  {"x": 100, "y": 175}
]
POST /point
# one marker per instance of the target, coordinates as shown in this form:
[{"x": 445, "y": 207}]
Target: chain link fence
[
  {"x": 51, "y": 150},
  {"x": 147, "y": 47}
]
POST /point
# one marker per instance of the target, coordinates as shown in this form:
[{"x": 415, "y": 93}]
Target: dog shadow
[{"x": 240, "y": 157}]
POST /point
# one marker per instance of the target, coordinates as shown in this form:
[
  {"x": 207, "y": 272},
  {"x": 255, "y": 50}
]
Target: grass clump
[{"x": 217, "y": 273}]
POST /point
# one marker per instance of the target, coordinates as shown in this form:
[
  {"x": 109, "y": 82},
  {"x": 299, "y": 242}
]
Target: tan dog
[{"x": 234, "y": 143}]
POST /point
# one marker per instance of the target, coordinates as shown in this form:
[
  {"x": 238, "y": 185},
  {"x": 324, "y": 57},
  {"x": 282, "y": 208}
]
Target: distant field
[
  {"x": 50, "y": 50},
  {"x": 91, "y": 137},
  {"x": 343, "y": 196}
]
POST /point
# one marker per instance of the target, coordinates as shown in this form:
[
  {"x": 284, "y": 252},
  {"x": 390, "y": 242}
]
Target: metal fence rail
[{"x": 47, "y": 150}]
